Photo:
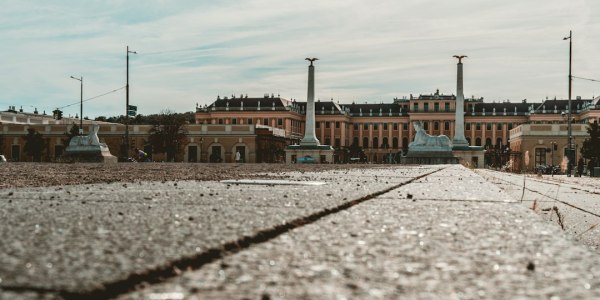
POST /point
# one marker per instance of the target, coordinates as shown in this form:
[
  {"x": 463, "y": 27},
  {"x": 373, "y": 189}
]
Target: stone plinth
[
  {"x": 428, "y": 158},
  {"x": 309, "y": 154},
  {"x": 470, "y": 155}
]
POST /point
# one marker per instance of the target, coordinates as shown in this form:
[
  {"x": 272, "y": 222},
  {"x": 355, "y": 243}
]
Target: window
[
  {"x": 404, "y": 126},
  {"x": 385, "y": 126},
  {"x": 498, "y": 142},
  {"x": 265, "y": 121},
  {"x": 234, "y": 121},
  {"x": 478, "y": 142},
  {"x": 375, "y": 142},
  {"x": 249, "y": 121},
  {"x": 426, "y": 107},
  {"x": 416, "y": 107},
  {"x": 395, "y": 126},
  {"x": 355, "y": 141},
  {"x": 488, "y": 142},
  {"x": 447, "y": 107},
  {"x": 365, "y": 126},
  {"x": 395, "y": 143},
  {"x": 385, "y": 143},
  {"x": 327, "y": 141},
  {"x": 376, "y": 126},
  {"x": 280, "y": 122},
  {"x": 540, "y": 156},
  {"x": 327, "y": 126},
  {"x": 355, "y": 126},
  {"x": 488, "y": 126},
  {"x": 498, "y": 126},
  {"x": 446, "y": 125},
  {"x": 468, "y": 126},
  {"x": 337, "y": 124},
  {"x": 436, "y": 107},
  {"x": 436, "y": 125},
  {"x": 478, "y": 127},
  {"x": 510, "y": 126},
  {"x": 365, "y": 143},
  {"x": 317, "y": 124},
  {"x": 426, "y": 126},
  {"x": 337, "y": 142}
]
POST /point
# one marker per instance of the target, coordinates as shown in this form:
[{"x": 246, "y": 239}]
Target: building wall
[
  {"x": 529, "y": 139},
  {"x": 201, "y": 136}
]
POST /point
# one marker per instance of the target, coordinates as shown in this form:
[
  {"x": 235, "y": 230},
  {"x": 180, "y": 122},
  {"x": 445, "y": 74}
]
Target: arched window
[
  {"x": 426, "y": 125},
  {"x": 446, "y": 125},
  {"x": 385, "y": 143},
  {"x": 395, "y": 143},
  {"x": 365, "y": 143},
  {"x": 436, "y": 125},
  {"x": 469, "y": 141},
  {"x": 499, "y": 142},
  {"x": 478, "y": 142},
  {"x": 404, "y": 143},
  {"x": 488, "y": 142},
  {"x": 375, "y": 142}
]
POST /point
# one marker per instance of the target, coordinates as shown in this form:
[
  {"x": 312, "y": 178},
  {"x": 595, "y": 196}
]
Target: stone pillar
[
  {"x": 309, "y": 133},
  {"x": 459, "y": 139}
]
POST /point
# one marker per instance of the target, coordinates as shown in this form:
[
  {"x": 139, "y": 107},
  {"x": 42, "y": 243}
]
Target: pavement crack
[{"x": 173, "y": 268}]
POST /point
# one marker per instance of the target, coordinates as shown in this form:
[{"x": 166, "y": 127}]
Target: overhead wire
[
  {"x": 92, "y": 98},
  {"x": 596, "y": 80}
]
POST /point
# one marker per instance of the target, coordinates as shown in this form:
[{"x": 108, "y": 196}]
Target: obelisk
[
  {"x": 459, "y": 139},
  {"x": 310, "y": 139}
]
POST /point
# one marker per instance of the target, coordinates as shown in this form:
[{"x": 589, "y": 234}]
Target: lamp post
[
  {"x": 569, "y": 150},
  {"x": 80, "y": 105},
  {"x": 127, "y": 105}
]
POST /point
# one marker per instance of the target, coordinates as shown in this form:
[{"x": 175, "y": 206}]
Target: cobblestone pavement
[
  {"x": 570, "y": 203},
  {"x": 440, "y": 232}
]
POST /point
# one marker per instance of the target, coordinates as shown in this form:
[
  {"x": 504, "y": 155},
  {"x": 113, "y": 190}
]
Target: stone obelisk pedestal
[
  {"x": 468, "y": 155},
  {"x": 310, "y": 149}
]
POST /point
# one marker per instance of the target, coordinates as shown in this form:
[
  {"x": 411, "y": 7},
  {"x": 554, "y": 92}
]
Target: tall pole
[
  {"x": 81, "y": 107},
  {"x": 127, "y": 105},
  {"x": 459, "y": 140},
  {"x": 570, "y": 156},
  {"x": 310, "y": 138},
  {"x": 81, "y": 104}
]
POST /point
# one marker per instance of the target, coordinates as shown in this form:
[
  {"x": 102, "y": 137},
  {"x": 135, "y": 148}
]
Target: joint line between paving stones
[{"x": 174, "y": 268}]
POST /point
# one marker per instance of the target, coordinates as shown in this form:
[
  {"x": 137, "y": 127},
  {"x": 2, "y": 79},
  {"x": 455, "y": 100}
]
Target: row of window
[
  {"x": 436, "y": 107},
  {"x": 436, "y": 125},
  {"x": 488, "y": 126}
]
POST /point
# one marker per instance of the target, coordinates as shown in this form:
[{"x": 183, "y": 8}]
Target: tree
[
  {"x": 591, "y": 145},
  {"x": 74, "y": 131},
  {"x": 168, "y": 132},
  {"x": 34, "y": 144}
]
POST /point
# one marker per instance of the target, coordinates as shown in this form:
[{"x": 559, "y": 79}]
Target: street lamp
[
  {"x": 81, "y": 105},
  {"x": 569, "y": 150},
  {"x": 127, "y": 106}
]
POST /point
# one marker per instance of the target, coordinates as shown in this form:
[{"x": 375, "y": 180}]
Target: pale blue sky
[{"x": 190, "y": 51}]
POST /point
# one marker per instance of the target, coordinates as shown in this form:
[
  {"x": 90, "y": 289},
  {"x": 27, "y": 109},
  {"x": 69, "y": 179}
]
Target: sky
[{"x": 190, "y": 51}]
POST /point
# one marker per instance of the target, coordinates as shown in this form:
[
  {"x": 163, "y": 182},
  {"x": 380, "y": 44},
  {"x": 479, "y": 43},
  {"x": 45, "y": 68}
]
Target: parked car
[
  {"x": 2, "y": 158},
  {"x": 306, "y": 160}
]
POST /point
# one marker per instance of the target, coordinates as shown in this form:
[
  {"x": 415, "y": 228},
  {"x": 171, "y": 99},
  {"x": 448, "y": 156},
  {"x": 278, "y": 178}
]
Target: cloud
[{"x": 191, "y": 51}]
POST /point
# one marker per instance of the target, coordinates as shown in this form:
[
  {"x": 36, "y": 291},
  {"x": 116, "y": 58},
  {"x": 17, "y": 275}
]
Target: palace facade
[
  {"x": 377, "y": 133},
  {"x": 259, "y": 128}
]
